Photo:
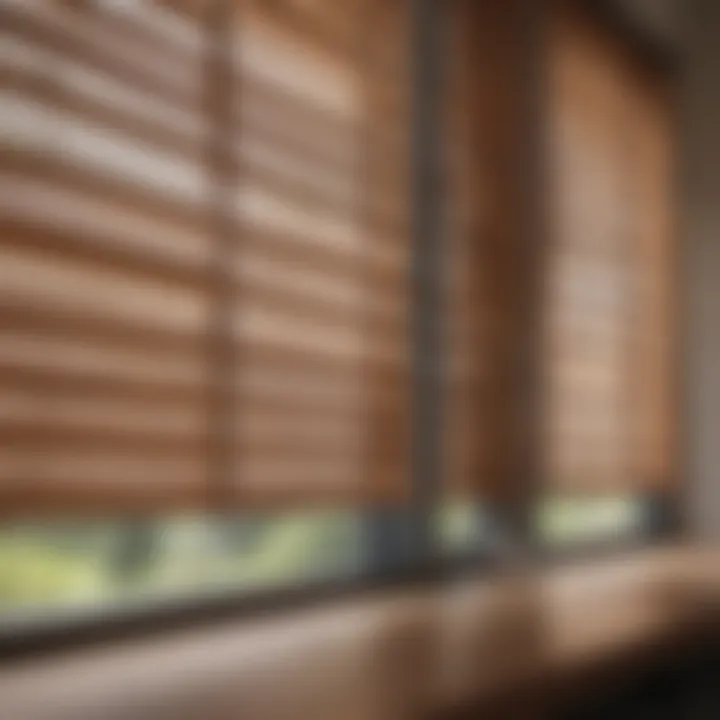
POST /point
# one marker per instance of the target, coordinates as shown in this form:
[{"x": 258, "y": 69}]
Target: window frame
[{"x": 420, "y": 563}]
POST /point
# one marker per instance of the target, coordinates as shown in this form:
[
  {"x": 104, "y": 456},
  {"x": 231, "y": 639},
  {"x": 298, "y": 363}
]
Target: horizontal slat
[
  {"x": 29, "y": 404},
  {"x": 328, "y": 33},
  {"x": 56, "y": 169},
  {"x": 97, "y": 250},
  {"x": 77, "y": 495},
  {"x": 44, "y": 437},
  {"x": 53, "y": 383},
  {"x": 299, "y": 395},
  {"x": 301, "y": 478},
  {"x": 104, "y": 477}
]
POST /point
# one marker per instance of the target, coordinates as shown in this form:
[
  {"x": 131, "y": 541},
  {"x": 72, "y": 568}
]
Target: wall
[{"x": 700, "y": 233}]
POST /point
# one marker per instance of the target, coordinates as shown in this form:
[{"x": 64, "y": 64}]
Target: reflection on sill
[{"x": 399, "y": 654}]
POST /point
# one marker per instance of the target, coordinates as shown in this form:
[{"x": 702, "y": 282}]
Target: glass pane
[
  {"x": 461, "y": 527},
  {"x": 562, "y": 521},
  {"x": 79, "y": 564}
]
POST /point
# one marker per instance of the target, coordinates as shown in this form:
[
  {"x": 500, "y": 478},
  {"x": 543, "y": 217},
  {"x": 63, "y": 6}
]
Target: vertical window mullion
[{"x": 426, "y": 273}]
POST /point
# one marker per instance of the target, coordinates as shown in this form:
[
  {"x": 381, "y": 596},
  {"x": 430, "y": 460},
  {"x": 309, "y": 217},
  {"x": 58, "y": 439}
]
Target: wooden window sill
[{"x": 403, "y": 654}]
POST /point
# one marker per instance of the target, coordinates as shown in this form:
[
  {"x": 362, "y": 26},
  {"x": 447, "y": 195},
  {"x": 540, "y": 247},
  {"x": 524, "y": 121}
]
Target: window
[
  {"x": 563, "y": 523},
  {"x": 279, "y": 309},
  {"x": 461, "y": 527},
  {"x": 87, "y": 564}
]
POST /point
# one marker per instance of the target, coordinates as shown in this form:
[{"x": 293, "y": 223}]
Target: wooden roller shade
[
  {"x": 203, "y": 256},
  {"x": 609, "y": 375}
]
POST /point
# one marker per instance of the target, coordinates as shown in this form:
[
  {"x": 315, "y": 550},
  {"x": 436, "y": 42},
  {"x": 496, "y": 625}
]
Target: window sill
[{"x": 395, "y": 654}]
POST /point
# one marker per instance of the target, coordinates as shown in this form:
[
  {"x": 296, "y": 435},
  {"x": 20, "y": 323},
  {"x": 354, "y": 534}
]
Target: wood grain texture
[
  {"x": 611, "y": 306},
  {"x": 204, "y": 242},
  {"x": 488, "y": 324}
]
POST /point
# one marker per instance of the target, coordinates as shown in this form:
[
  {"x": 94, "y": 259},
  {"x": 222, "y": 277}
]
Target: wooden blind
[
  {"x": 559, "y": 239},
  {"x": 105, "y": 289},
  {"x": 385, "y": 175},
  {"x": 609, "y": 375},
  {"x": 655, "y": 259},
  {"x": 461, "y": 434},
  {"x": 485, "y": 148},
  {"x": 178, "y": 226},
  {"x": 321, "y": 314},
  {"x": 205, "y": 244}
]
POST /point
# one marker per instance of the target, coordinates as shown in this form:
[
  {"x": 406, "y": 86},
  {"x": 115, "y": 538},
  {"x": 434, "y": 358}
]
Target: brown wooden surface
[
  {"x": 610, "y": 372},
  {"x": 411, "y": 654},
  {"x": 488, "y": 326},
  {"x": 143, "y": 212},
  {"x": 652, "y": 165},
  {"x": 203, "y": 289},
  {"x": 384, "y": 212},
  {"x": 103, "y": 260}
]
